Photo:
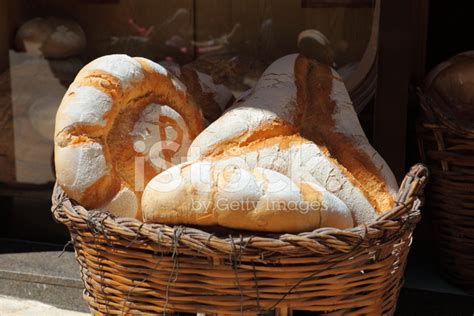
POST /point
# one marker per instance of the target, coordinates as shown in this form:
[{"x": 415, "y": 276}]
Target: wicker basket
[
  {"x": 448, "y": 149},
  {"x": 133, "y": 268}
]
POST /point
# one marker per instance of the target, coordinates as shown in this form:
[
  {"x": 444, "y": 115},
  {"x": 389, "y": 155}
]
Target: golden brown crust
[
  {"x": 283, "y": 142},
  {"x": 314, "y": 82},
  {"x": 256, "y": 138},
  {"x": 181, "y": 101},
  {"x": 117, "y": 144},
  {"x": 269, "y": 201}
]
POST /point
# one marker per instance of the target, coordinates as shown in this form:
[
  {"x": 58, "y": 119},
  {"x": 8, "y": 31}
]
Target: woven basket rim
[{"x": 388, "y": 226}]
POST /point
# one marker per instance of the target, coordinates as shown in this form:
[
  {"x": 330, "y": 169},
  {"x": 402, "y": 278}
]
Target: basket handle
[
  {"x": 410, "y": 191},
  {"x": 413, "y": 183}
]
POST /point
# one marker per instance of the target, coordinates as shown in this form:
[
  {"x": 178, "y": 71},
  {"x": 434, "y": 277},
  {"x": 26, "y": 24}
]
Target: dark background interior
[{"x": 448, "y": 33}]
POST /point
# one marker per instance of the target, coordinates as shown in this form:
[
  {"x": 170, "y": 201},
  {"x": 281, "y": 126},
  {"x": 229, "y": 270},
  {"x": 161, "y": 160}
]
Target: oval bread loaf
[
  {"x": 122, "y": 121},
  {"x": 204, "y": 193}
]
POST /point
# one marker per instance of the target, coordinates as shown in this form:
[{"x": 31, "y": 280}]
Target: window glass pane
[{"x": 232, "y": 40}]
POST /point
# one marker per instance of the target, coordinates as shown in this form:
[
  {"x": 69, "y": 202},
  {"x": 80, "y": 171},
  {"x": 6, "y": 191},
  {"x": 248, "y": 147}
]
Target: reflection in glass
[{"x": 231, "y": 40}]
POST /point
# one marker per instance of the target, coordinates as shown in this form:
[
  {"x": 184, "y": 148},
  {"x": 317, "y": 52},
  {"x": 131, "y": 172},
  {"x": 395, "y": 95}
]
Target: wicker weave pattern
[
  {"x": 448, "y": 149},
  {"x": 133, "y": 268}
]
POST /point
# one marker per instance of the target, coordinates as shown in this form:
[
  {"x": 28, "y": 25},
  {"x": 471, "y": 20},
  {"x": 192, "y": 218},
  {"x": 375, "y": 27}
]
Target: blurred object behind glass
[{"x": 44, "y": 43}]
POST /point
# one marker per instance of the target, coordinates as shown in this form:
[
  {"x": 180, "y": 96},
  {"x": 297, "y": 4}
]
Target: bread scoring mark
[
  {"x": 74, "y": 134},
  {"x": 257, "y": 141},
  {"x": 102, "y": 81},
  {"x": 105, "y": 85},
  {"x": 240, "y": 142},
  {"x": 153, "y": 68}
]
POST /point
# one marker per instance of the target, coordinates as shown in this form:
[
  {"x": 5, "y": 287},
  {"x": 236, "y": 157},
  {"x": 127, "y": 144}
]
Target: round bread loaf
[
  {"x": 51, "y": 37},
  {"x": 450, "y": 85},
  {"x": 122, "y": 121},
  {"x": 204, "y": 193}
]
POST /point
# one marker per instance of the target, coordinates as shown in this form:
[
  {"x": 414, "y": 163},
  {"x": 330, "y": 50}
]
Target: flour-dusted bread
[
  {"x": 51, "y": 37},
  {"x": 121, "y": 122},
  {"x": 205, "y": 193},
  {"x": 299, "y": 120},
  {"x": 213, "y": 98},
  {"x": 270, "y": 109},
  {"x": 302, "y": 160},
  {"x": 331, "y": 122}
]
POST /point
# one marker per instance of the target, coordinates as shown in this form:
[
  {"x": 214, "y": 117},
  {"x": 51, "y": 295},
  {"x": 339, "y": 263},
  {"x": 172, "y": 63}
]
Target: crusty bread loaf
[
  {"x": 450, "y": 85},
  {"x": 51, "y": 37},
  {"x": 121, "y": 122},
  {"x": 213, "y": 98},
  {"x": 301, "y": 160},
  {"x": 299, "y": 120},
  {"x": 331, "y": 122},
  {"x": 204, "y": 193}
]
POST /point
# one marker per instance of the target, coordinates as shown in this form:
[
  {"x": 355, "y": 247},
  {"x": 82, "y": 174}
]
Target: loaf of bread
[
  {"x": 204, "y": 193},
  {"x": 51, "y": 37},
  {"x": 122, "y": 121},
  {"x": 450, "y": 85},
  {"x": 213, "y": 98},
  {"x": 299, "y": 120}
]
